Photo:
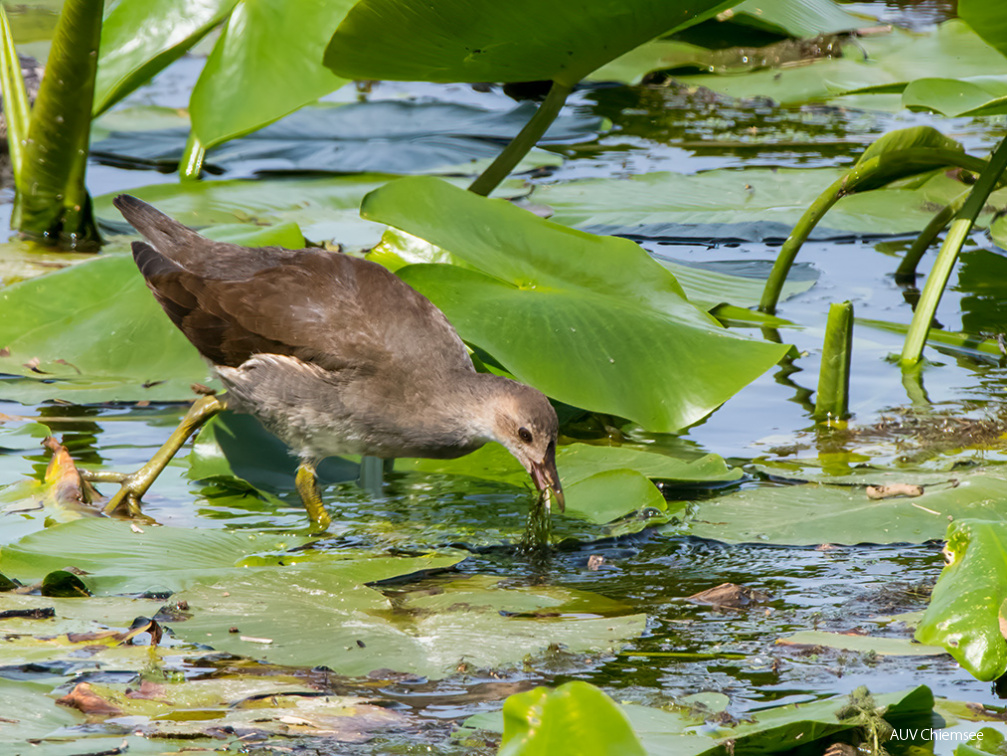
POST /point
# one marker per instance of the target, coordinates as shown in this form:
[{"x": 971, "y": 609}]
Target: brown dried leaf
[
  {"x": 728, "y": 595},
  {"x": 893, "y": 490},
  {"x": 84, "y": 699}
]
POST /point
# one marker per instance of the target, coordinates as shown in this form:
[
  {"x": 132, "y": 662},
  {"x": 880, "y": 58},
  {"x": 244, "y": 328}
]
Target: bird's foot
[
  {"x": 134, "y": 485},
  {"x": 131, "y": 487},
  {"x": 306, "y": 481}
]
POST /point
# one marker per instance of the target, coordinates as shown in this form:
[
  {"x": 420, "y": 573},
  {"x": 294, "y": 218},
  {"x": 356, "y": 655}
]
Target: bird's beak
[{"x": 545, "y": 477}]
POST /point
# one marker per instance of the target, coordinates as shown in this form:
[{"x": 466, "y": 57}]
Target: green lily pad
[
  {"x": 984, "y": 16},
  {"x": 738, "y": 282},
  {"x": 31, "y": 712},
  {"x": 267, "y": 63},
  {"x": 574, "y": 717},
  {"x": 794, "y": 18},
  {"x": 325, "y": 209},
  {"x": 121, "y": 559},
  {"x": 610, "y": 324},
  {"x": 879, "y": 64},
  {"x": 743, "y": 205},
  {"x": 133, "y": 49},
  {"x": 778, "y": 729},
  {"x": 970, "y": 96},
  {"x": 731, "y": 28},
  {"x": 385, "y": 136},
  {"x": 966, "y": 612},
  {"x": 844, "y": 514},
  {"x": 458, "y": 40},
  {"x": 85, "y": 350},
  {"x": 864, "y": 644},
  {"x": 471, "y": 622}
]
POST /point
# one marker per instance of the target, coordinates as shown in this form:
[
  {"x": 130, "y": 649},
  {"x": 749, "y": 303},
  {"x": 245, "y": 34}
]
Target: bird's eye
[{"x": 524, "y": 434}]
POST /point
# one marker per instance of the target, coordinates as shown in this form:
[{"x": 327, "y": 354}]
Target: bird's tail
[{"x": 166, "y": 235}]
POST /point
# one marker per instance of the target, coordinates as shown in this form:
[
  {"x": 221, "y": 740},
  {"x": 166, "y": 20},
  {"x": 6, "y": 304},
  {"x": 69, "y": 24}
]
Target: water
[{"x": 844, "y": 589}]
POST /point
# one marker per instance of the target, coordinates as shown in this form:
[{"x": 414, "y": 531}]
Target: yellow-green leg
[
  {"x": 136, "y": 484},
  {"x": 306, "y": 481}
]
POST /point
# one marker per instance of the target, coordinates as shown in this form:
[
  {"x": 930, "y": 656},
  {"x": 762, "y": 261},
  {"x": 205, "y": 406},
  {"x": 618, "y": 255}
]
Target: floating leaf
[
  {"x": 969, "y": 96},
  {"x": 473, "y": 622},
  {"x": 882, "y": 64},
  {"x": 116, "y": 557},
  {"x": 386, "y": 136},
  {"x": 93, "y": 333},
  {"x": 984, "y": 16},
  {"x": 844, "y": 514},
  {"x": 864, "y": 644},
  {"x": 742, "y": 205}
]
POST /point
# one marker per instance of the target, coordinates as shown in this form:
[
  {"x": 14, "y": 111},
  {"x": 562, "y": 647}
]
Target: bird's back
[{"x": 329, "y": 309}]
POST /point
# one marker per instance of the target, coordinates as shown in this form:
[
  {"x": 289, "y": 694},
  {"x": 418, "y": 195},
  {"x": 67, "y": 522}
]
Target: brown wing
[{"x": 322, "y": 307}]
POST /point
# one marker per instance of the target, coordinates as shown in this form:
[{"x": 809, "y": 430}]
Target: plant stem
[
  {"x": 923, "y": 316},
  {"x": 906, "y": 272},
  {"x": 54, "y": 205},
  {"x": 871, "y": 174},
  {"x": 17, "y": 109},
  {"x": 191, "y": 165},
  {"x": 832, "y": 402},
  {"x": 527, "y": 138}
]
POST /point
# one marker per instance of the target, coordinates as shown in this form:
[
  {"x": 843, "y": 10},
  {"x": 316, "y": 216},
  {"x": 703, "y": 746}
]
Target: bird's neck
[{"x": 470, "y": 402}]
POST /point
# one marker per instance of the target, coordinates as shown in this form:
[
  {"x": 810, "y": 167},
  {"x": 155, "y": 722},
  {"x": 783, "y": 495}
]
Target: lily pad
[
  {"x": 743, "y": 205},
  {"x": 325, "y": 209},
  {"x": 864, "y": 644},
  {"x": 469, "y": 623},
  {"x": 85, "y": 350},
  {"x": 119, "y": 558},
  {"x": 385, "y": 136},
  {"x": 970, "y": 96},
  {"x": 614, "y": 321},
  {"x": 576, "y": 717},
  {"x": 966, "y": 613},
  {"x": 879, "y": 64},
  {"x": 844, "y": 514},
  {"x": 778, "y": 729},
  {"x": 266, "y": 63},
  {"x": 458, "y": 40}
]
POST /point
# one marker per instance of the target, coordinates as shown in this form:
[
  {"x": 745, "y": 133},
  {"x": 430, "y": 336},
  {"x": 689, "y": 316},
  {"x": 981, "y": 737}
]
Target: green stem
[
  {"x": 923, "y": 316},
  {"x": 871, "y": 174},
  {"x": 191, "y": 166},
  {"x": 906, "y": 272},
  {"x": 832, "y": 402},
  {"x": 55, "y": 205},
  {"x": 527, "y": 138},
  {"x": 16, "y": 106}
]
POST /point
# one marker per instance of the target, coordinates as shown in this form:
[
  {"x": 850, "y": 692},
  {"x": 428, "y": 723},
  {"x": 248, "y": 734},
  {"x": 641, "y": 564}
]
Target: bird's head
[{"x": 525, "y": 423}]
